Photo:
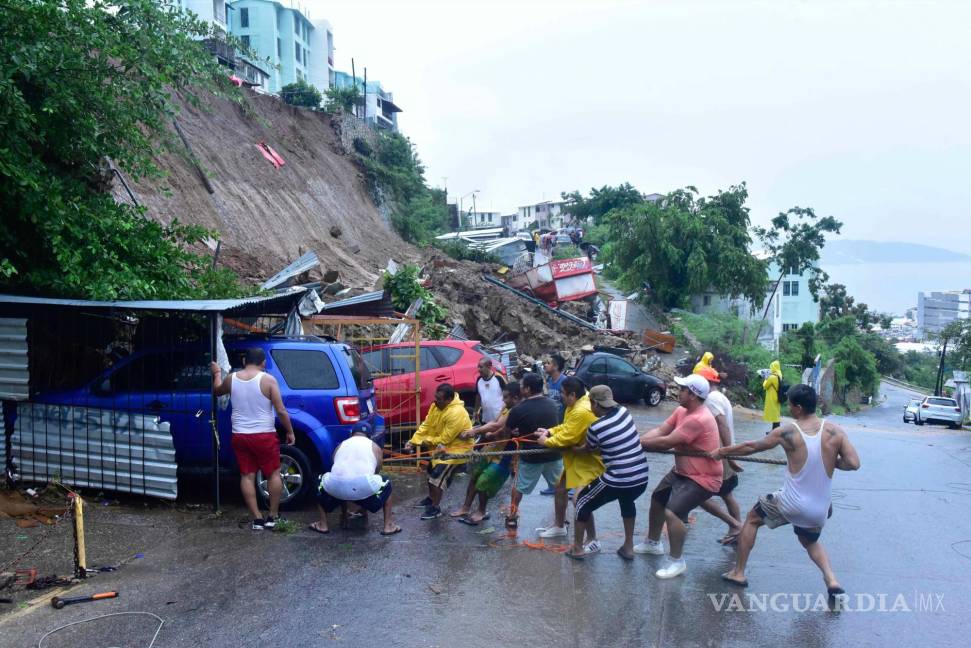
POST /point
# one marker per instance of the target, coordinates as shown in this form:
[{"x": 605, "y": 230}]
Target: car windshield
[{"x": 946, "y": 402}]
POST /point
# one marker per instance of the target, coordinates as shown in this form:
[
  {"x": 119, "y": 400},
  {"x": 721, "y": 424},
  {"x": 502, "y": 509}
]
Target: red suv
[{"x": 440, "y": 361}]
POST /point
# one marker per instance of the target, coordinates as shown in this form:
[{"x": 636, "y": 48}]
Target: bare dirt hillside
[{"x": 268, "y": 216}]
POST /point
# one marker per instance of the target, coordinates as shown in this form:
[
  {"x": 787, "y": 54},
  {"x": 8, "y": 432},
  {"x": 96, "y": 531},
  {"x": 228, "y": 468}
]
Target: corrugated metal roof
[
  {"x": 301, "y": 265},
  {"x": 372, "y": 303},
  {"x": 281, "y": 301}
]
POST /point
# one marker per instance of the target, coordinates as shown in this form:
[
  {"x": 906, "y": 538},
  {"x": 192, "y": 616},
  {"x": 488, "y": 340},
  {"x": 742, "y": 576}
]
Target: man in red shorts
[{"x": 255, "y": 394}]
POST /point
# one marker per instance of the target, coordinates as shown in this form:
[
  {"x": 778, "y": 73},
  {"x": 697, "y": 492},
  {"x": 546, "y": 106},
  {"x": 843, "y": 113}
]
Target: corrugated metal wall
[
  {"x": 13, "y": 359},
  {"x": 95, "y": 448}
]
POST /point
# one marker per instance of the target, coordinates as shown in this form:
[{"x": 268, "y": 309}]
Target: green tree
[
  {"x": 834, "y": 330},
  {"x": 795, "y": 240},
  {"x": 855, "y": 366},
  {"x": 396, "y": 175},
  {"x": 888, "y": 359},
  {"x": 683, "y": 245},
  {"x": 806, "y": 334},
  {"x": 301, "y": 93},
  {"x": 405, "y": 288},
  {"x": 341, "y": 99},
  {"x": 601, "y": 201},
  {"x": 835, "y": 302},
  {"x": 82, "y": 81}
]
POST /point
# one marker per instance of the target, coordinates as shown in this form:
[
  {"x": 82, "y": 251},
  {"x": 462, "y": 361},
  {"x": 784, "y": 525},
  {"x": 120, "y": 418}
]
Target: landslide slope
[{"x": 266, "y": 216}]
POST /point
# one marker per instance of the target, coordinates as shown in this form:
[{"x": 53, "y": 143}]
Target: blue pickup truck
[{"x": 326, "y": 389}]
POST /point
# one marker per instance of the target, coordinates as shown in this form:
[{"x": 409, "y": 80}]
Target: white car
[
  {"x": 910, "y": 411},
  {"x": 937, "y": 409}
]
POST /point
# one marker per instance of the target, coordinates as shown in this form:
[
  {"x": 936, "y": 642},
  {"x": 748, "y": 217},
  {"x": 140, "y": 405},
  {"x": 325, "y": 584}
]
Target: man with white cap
[{"x": 691, "y": 428}]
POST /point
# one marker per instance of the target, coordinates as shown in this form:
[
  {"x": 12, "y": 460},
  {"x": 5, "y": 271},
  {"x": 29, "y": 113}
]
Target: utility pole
[
  {"x": 473, "y": 211},
  {"x": 365, "y": 94}
]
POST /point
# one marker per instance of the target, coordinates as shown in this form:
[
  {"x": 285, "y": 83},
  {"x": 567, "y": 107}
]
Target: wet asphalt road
[{"x": 901, "y": 529}]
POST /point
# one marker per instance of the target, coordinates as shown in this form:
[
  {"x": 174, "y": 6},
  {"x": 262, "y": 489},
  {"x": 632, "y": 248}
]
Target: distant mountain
[{"x": 842, "y": 251}]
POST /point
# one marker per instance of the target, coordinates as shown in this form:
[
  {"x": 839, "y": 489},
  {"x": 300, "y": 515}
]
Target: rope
[
  {"x": 67, "y": 513},
  {"x": 161, "y": 622},
  {"x": 502, "y": 453}
]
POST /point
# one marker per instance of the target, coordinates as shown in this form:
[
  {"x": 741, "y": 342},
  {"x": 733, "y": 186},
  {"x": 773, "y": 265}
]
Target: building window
[
  {"x": 706, "y": 300},
  {"x": 789, "y": 327},
  {"x": 296, "y": 50},
  {"x": 785, "y": 288},
  {"x": 245, "y": 41},
  {"x": 795, "y": 288},
  {"x": 279, "y": 49},
  {"x": 244, "y": 17},
  {"x": 296, "y": 26}
]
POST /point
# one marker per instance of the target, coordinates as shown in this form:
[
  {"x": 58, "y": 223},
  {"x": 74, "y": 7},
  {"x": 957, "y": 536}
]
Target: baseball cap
[
  {"x": 602, "y": 396},
  {"x": 697, "y": 384},
  {"x": 709, "y": 374}
]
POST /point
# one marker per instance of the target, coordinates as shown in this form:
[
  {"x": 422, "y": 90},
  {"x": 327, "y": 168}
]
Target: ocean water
[{"x": 893, "y": 287}]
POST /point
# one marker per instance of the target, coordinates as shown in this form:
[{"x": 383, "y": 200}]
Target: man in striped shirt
[{"x": 614, "y": 435}]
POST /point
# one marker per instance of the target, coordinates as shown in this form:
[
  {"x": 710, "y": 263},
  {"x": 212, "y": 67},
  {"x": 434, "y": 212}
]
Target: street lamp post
[{"x": 471, "y": 193}]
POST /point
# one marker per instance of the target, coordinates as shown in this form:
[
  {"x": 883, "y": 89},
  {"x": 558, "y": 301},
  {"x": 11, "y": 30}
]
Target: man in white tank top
[
  {"x": 255, "y": 395},
  {"x": 814, "y": 449}
]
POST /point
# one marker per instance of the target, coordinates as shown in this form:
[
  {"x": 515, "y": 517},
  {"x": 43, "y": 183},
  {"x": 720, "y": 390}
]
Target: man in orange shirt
[{"x": 691, "y": 428}]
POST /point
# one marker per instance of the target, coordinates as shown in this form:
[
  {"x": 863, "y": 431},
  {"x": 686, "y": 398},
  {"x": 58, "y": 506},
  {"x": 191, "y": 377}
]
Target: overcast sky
[{"x": 859, "y": 109}]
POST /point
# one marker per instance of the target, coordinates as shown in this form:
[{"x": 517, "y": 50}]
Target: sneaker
[
  {"x": 592, "y": 547},
  {"x": 553, "y": 532},
  {"x": 269, "y": 522},
  {"x": 650, "y": 547},
  {"x": 431, "y": 512},
  {"x": 258, "y": 524},
  {"x": 425, "y": 503},
  {"x": 672, "y": 569},
  {"x": 547, "y": 491}
]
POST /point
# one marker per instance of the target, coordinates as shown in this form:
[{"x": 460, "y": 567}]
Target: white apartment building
[
  {"x": 481, "y": 219},
  {"x": 548, "y": 214},
  {"x": 937, "y": 309},
  {"x": 210, "y": 11},
  {"x": 791, "y": 306},
  {"x": 298, "y": 49}
]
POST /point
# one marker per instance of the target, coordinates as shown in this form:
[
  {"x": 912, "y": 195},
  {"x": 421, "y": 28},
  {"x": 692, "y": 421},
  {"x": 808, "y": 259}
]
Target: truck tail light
[
  {"x": 957, "y": 409},
  {"x": 348, "y": 409},
  {"x": 925, "y": 406}
]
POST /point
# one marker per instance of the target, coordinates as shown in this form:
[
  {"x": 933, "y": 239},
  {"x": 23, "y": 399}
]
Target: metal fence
[
  {"x": 106, "y": 393},
  {"x": 391, "y": 350},
  {"x": 86, "y": 447}
]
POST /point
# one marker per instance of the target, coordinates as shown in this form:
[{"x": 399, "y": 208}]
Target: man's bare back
[{"x": 837, "y": 451}]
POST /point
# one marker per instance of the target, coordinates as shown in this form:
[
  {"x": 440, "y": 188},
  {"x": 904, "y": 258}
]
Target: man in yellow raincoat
[
  {"x": 442, "y": 428},
  {"x": 704, "y": 363},
  {"x": 771, "y": 411},
  {"x": 579, "y": 468}
]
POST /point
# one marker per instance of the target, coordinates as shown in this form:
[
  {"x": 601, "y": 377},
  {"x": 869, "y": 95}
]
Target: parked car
[
  {"x": 937, "y": 409},
  {"x": 627, "y": 382},
  {"x": 326, "y": 389},
  {"x": 910, "y": 410},
  {"x": 439, "y": 361}
]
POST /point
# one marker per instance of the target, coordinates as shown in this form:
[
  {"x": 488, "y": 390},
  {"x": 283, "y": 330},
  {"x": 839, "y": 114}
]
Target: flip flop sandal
[
  {"x": 621, "y": 553},
  {"x": 512, "y": 523},
  {"x": 313, "y": 527},
  {"x": 736, "y": 583},
  {"x": 397, "y": 529},
  {"x": 469, "y": 521},
  {"x": 570, "y": 554}
]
